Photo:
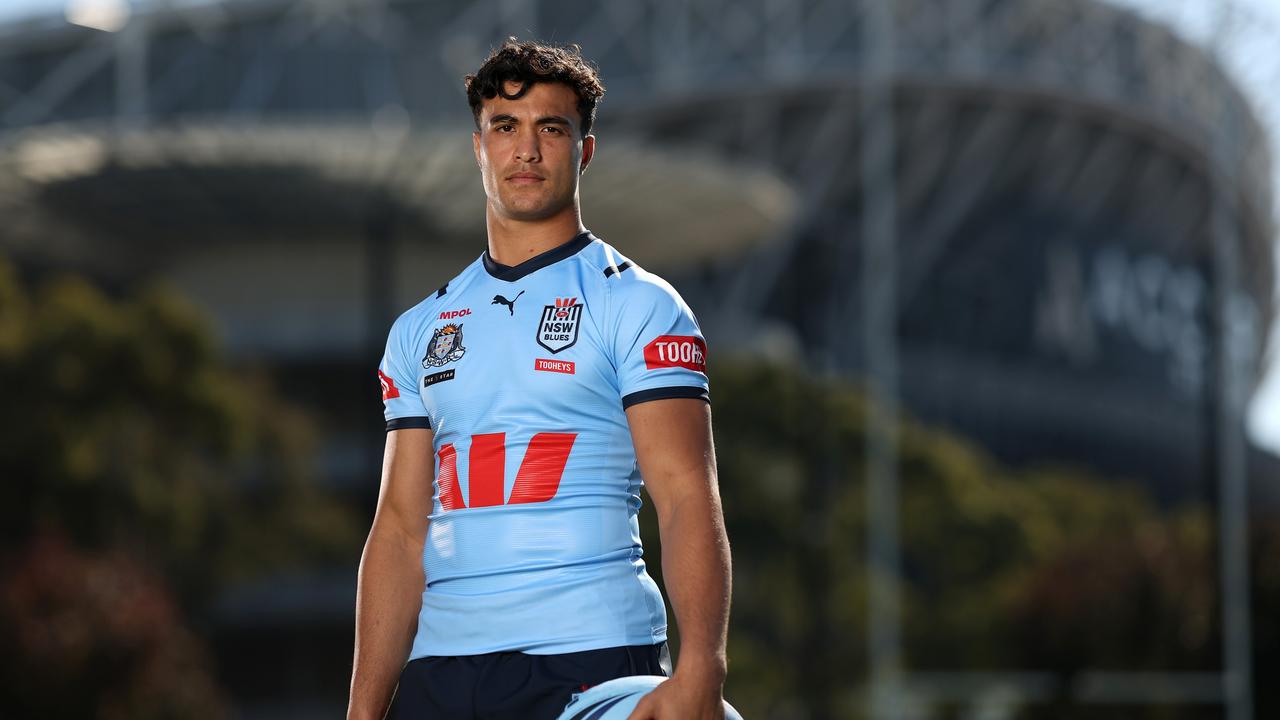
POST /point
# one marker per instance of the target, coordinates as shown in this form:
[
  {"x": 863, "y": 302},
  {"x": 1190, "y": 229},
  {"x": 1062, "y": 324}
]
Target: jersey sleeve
[
  {"x": 659, "y": 350},
  {"x": 401, "y": 403}
]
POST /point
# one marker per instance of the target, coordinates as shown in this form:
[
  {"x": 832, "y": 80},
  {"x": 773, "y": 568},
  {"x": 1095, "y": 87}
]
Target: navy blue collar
[{"x": 511, "y": 273}]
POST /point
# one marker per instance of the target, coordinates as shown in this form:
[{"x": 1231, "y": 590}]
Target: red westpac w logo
[
  {"x": 537, "y": 480},
  {"x": 563, "y": 305}
]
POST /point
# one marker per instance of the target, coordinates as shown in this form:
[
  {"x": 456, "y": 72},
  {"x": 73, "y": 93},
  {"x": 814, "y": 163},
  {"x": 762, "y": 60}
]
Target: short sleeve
[
  {"x": 401, "y": 403},
  {"x": 658, "y": 348}
]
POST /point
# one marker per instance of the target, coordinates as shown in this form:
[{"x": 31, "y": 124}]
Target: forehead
[{"x": 544, "y": 98}]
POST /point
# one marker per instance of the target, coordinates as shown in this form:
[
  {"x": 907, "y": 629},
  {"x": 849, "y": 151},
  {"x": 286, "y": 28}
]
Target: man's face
[{"x": 530, "y": 151}]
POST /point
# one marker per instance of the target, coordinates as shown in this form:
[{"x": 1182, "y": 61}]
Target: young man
[{"x": 525, "y": 400}]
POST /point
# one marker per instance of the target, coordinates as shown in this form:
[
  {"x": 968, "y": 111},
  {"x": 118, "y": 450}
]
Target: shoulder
[
  {"x": 641, "y": 293},
  {"x": 412, "y": 320},
  {"x": 626, "y": 283}
]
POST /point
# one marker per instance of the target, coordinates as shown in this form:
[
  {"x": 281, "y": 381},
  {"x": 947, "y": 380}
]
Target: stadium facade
[{"x": 1082, "y": 201}]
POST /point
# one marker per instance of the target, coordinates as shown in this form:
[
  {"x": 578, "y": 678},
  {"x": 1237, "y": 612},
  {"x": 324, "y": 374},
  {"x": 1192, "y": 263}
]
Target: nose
[{"x": 527, "y": 150}]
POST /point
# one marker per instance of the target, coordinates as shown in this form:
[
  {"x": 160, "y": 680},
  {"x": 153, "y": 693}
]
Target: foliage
[
  {"x": 97, "y": 634},
  {"x": 1050, "y": 569},
  {"x": 127, "y": 432},
  {"x": 124, "y": 425}
]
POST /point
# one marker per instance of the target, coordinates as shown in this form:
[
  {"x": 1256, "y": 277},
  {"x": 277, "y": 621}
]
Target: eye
[
  {"x": 504, "y": 128},
  {"x": 553, "y": 129}
]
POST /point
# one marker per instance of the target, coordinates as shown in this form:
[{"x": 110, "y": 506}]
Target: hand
[{"x": 681, "y": 698}]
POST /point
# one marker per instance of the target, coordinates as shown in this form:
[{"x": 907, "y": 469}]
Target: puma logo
[{"x": 511, "y": 304}]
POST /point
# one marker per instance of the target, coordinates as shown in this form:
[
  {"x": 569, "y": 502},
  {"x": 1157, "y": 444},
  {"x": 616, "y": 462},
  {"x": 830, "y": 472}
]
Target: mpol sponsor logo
[
  {"x": 451, "y": 314},
  {"x": 560, "y": 366},
  {"x": 684, "y": 351}
]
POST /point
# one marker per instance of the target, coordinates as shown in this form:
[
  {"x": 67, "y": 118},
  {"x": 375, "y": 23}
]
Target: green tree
[
  {"x": 1041, "y": 568},
  {"x": 127, "y": 432},
  {"x": 98, "y": 634}
]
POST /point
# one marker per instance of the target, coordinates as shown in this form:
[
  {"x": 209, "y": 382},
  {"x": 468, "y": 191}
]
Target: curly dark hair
[{"x": 532, "y": 62}]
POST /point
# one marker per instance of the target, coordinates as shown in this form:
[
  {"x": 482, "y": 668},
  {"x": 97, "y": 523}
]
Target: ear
[
  {"x": 588, "y": 152},
  {"x": 475, "y": 146}
]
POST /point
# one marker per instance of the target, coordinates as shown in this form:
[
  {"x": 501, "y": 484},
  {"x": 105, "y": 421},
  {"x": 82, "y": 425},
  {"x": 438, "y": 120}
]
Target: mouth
[{"x": 524, "y": 178}]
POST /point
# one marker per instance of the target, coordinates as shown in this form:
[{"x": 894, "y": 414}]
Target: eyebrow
[{"x": 545, "y": 120}]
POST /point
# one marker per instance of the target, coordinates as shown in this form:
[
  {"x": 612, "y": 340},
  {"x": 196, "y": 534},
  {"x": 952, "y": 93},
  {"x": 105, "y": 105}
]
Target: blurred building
[{"x": 1081, "y": 200}]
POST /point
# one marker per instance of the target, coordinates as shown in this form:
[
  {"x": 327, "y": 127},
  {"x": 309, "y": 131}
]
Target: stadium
[{"x": 1080, "y": 205}]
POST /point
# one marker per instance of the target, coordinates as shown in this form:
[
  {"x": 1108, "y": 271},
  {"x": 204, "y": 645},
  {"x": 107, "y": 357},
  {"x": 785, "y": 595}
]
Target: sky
[{"x": 1244, "y": 33}]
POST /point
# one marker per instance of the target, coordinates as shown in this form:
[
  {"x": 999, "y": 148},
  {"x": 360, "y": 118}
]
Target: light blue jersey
[{"x": 523, "y": 373}]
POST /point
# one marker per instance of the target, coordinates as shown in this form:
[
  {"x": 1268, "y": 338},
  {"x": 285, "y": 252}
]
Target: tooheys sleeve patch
[{"x": 671, "y": 351}]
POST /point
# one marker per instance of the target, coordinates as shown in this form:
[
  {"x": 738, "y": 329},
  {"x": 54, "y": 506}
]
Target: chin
[{"x": 532, "y": 211}]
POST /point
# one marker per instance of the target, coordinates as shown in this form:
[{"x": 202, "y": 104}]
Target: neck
[{"x": 511, "y": 241}]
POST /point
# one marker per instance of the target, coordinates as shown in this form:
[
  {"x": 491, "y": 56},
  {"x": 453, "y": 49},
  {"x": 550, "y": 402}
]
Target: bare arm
[
  {"x": 389, "y": 593},
  {"x": 677, "y": 460}
]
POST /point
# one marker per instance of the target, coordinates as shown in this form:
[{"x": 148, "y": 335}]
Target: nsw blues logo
[
  {"x": 445, "y": 346},
  {"x": 558, "y": 328}
]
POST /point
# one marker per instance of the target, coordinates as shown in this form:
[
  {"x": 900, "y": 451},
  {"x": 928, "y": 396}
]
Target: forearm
[
  {"x": 696, "y": 570},
  {"x": 388, "y": 598}
]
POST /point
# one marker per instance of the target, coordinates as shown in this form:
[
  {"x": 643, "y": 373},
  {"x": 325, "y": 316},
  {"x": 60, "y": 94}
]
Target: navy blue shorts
[{"x": 515, "y": 685}]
